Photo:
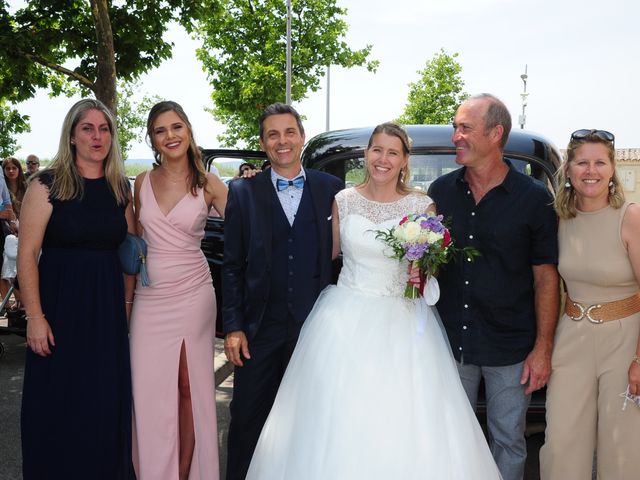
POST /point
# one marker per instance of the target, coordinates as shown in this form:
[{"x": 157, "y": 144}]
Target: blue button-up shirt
[
  {"x": 4, "y": 192},
  {"x": 487, "y": 305}
]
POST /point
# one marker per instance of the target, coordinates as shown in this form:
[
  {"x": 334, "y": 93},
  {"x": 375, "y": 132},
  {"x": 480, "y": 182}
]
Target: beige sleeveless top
[{"x": 593, "y": 260}]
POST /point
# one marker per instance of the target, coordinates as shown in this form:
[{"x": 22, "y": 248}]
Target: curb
[{"x": 222, "y": 367}]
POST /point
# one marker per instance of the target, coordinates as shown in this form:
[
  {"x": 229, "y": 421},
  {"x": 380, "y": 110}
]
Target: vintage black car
[{"x": 341, "y": 153}]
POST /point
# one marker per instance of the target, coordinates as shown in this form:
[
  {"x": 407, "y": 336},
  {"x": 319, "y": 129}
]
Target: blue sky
[{"x": 582, "y": 64}]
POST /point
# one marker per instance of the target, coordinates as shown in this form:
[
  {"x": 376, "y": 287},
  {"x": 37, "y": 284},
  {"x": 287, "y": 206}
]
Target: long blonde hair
[
  {"x": 197, "y": 173},
  {"x": 67, "y": 183},
  {"x": 565, "y": 201},
  {"x": 394, "y": 130}
]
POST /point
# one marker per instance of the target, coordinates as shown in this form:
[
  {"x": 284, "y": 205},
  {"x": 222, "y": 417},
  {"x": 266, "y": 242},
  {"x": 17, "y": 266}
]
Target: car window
[{"x": 424, "y": 169}]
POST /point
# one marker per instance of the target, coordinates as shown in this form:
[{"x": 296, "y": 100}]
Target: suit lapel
[
  {"x": 319, "y": 206},
  {"x": 263, "y": 214}
]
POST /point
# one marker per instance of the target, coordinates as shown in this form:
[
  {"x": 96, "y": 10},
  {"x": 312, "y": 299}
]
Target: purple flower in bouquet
[{"x": 415, "y": 250}]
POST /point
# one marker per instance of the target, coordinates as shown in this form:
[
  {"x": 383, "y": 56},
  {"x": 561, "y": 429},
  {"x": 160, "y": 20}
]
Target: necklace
[{"x": 167, "y": 175}]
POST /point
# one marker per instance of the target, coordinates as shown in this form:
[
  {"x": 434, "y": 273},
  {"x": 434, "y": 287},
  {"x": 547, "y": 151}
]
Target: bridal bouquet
[{"x": 425, "y": 242}]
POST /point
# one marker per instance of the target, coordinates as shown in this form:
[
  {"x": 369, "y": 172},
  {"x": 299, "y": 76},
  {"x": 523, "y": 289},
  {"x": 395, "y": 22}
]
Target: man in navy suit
[{"x": 277, "y": 259}]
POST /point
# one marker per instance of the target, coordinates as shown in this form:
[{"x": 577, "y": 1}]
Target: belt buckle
[
  {"x": 587, "y": 314},
  {"x": 582, "y": 312}
]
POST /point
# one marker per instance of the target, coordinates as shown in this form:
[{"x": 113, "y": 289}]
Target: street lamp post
[
  {"x": 524, "y": 95},
  {"x": 328, "y": 96},
  {"x": 288, "y": 81}
]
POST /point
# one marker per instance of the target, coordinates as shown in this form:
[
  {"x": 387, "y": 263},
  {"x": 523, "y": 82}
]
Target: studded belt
[{"x": 603, "y": 312}]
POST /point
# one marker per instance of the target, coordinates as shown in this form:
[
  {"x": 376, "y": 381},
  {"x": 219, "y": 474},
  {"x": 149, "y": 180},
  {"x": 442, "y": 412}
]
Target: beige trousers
[{"x": 584, "y": 408}]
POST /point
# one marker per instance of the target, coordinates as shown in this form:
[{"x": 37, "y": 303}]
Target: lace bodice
[{"x": 367, "y": 265}]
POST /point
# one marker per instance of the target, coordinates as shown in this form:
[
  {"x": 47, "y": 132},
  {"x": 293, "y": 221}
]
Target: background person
[
  {"x": 17, "y": 186},
  {"x": 33, "y": 165},
  {"x": 243, "y": 168},
  {"x": 173, "y": 320},
  {"x": 371, "y": 391},
  {"x": 15, "y": 181},
  {"x": 76, "y": 401},
  {"x": 277, "y": 259},
  {"x": 7, "y": 214},
  {"x": 500, "y": 310},
  {"x": 597, "y": 346}
]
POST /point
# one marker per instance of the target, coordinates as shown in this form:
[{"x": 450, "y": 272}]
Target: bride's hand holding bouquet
[{"x": 424, "y": 241}]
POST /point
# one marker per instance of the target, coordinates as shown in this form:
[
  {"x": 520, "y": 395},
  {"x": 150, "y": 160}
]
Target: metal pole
[
  {"x": 288, "y": 86},
  {"x": 524, "y": 94},
  {"x": 328, "y": 96}
]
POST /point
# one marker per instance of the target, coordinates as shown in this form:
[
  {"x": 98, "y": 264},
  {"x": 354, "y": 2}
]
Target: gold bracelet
[{"x": 636, "y": 359}]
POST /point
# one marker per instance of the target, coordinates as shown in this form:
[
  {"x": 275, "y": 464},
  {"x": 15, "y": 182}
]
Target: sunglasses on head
[{"x": 586, "y": 133}]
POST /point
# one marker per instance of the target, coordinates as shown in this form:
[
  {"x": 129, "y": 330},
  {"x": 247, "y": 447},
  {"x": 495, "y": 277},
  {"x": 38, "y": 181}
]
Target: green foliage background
[
  {"x": 434, "y": 98},
  {"x": 244, "y": 55},
  {"x": 63, "y": 46}
]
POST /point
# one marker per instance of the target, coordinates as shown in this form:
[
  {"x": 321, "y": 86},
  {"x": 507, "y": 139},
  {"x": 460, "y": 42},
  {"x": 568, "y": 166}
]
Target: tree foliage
[
  {"x": 434, "y": 98},
  {"x": 244, "y": 55},
  {"x": 71, "y": 46},
  {"x": 11, "y": 123},
  {"x": 132, "y": 114}
]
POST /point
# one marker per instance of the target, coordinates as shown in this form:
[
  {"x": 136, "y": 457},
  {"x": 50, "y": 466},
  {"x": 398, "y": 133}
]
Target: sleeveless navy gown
[{"x": 76, "y": 404}]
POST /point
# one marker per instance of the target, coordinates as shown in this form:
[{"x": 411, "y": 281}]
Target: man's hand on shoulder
[{"x": 236, "y": 346}]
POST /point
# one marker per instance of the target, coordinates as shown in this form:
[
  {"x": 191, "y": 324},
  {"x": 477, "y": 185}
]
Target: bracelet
[
  {"x": 30, "y": 317},
  {"x": 636, "y": 359},
  {"x": 128, "y": 303}
]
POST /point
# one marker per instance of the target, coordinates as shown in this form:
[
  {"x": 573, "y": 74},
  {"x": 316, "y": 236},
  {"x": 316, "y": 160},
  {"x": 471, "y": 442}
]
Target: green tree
[
  {"x": 435, "y": 97},
  {"x": 132, "y": 114},
  {"x": 11, "y": 123},
  {"x": 244, "y": 55},
  {"x": 71, "y": 46}
]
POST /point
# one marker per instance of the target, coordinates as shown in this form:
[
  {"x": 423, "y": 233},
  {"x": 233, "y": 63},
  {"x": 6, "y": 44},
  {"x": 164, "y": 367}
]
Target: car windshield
[{"x": 424, "y": 169}]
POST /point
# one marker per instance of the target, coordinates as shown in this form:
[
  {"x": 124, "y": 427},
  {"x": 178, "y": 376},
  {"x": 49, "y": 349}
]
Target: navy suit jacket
[{"x": 247, "y": 245}]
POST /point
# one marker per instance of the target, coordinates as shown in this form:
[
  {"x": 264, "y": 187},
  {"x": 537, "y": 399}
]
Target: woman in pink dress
[{"x": 173, "y": 319}]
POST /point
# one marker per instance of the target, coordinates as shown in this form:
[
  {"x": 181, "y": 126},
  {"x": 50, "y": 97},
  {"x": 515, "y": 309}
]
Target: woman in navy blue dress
[{"x": 76, "y": 404}]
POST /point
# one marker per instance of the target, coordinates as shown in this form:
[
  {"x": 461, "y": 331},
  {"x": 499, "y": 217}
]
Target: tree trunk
[{"x": 105, "y": 84}]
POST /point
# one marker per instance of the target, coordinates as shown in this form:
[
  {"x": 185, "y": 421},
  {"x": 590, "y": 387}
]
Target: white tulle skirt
[{"x": 371, "y": 392}]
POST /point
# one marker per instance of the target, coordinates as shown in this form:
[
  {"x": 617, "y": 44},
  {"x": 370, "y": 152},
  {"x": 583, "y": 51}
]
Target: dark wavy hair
[
  {"x": 197, "y": 173},
  {"x": 280, "y": 109}
]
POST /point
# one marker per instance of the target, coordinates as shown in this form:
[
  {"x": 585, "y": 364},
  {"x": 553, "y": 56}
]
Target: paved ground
[{"x": 11, "y": 373}]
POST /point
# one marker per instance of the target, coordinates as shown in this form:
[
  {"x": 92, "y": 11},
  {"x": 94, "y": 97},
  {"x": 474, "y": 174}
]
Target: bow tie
[{"x": 296, "y": 182}]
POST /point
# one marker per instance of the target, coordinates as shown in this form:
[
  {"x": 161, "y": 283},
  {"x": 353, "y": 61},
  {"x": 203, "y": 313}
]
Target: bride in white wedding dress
[{"x": 372, "y": 391}]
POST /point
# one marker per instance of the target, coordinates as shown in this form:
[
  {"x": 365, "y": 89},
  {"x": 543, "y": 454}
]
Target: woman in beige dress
[{"x": 595, "y": 363}]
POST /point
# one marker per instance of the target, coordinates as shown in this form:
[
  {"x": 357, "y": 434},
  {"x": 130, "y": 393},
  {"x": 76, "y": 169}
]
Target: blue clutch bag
[{"x": 133, "y": 257}]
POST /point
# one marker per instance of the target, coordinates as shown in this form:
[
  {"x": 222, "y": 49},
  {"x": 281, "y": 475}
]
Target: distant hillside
[
  {"x": 232, "y": 162},
  {"x": 227, "y": 167},
  {"x": 139, "y": 161}
]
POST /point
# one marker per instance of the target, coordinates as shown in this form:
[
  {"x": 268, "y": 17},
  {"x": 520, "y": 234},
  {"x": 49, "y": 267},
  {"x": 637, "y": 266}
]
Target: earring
[
  {"x": 611, "y": 183},
  {"x": 612, "y": 187},
  {"x": 567, "y": 184}
]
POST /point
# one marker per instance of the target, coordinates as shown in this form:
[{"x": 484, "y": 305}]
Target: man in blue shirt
[
  {"x": 6, "y": 213},
  {"x": 499, "y": 310}
]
